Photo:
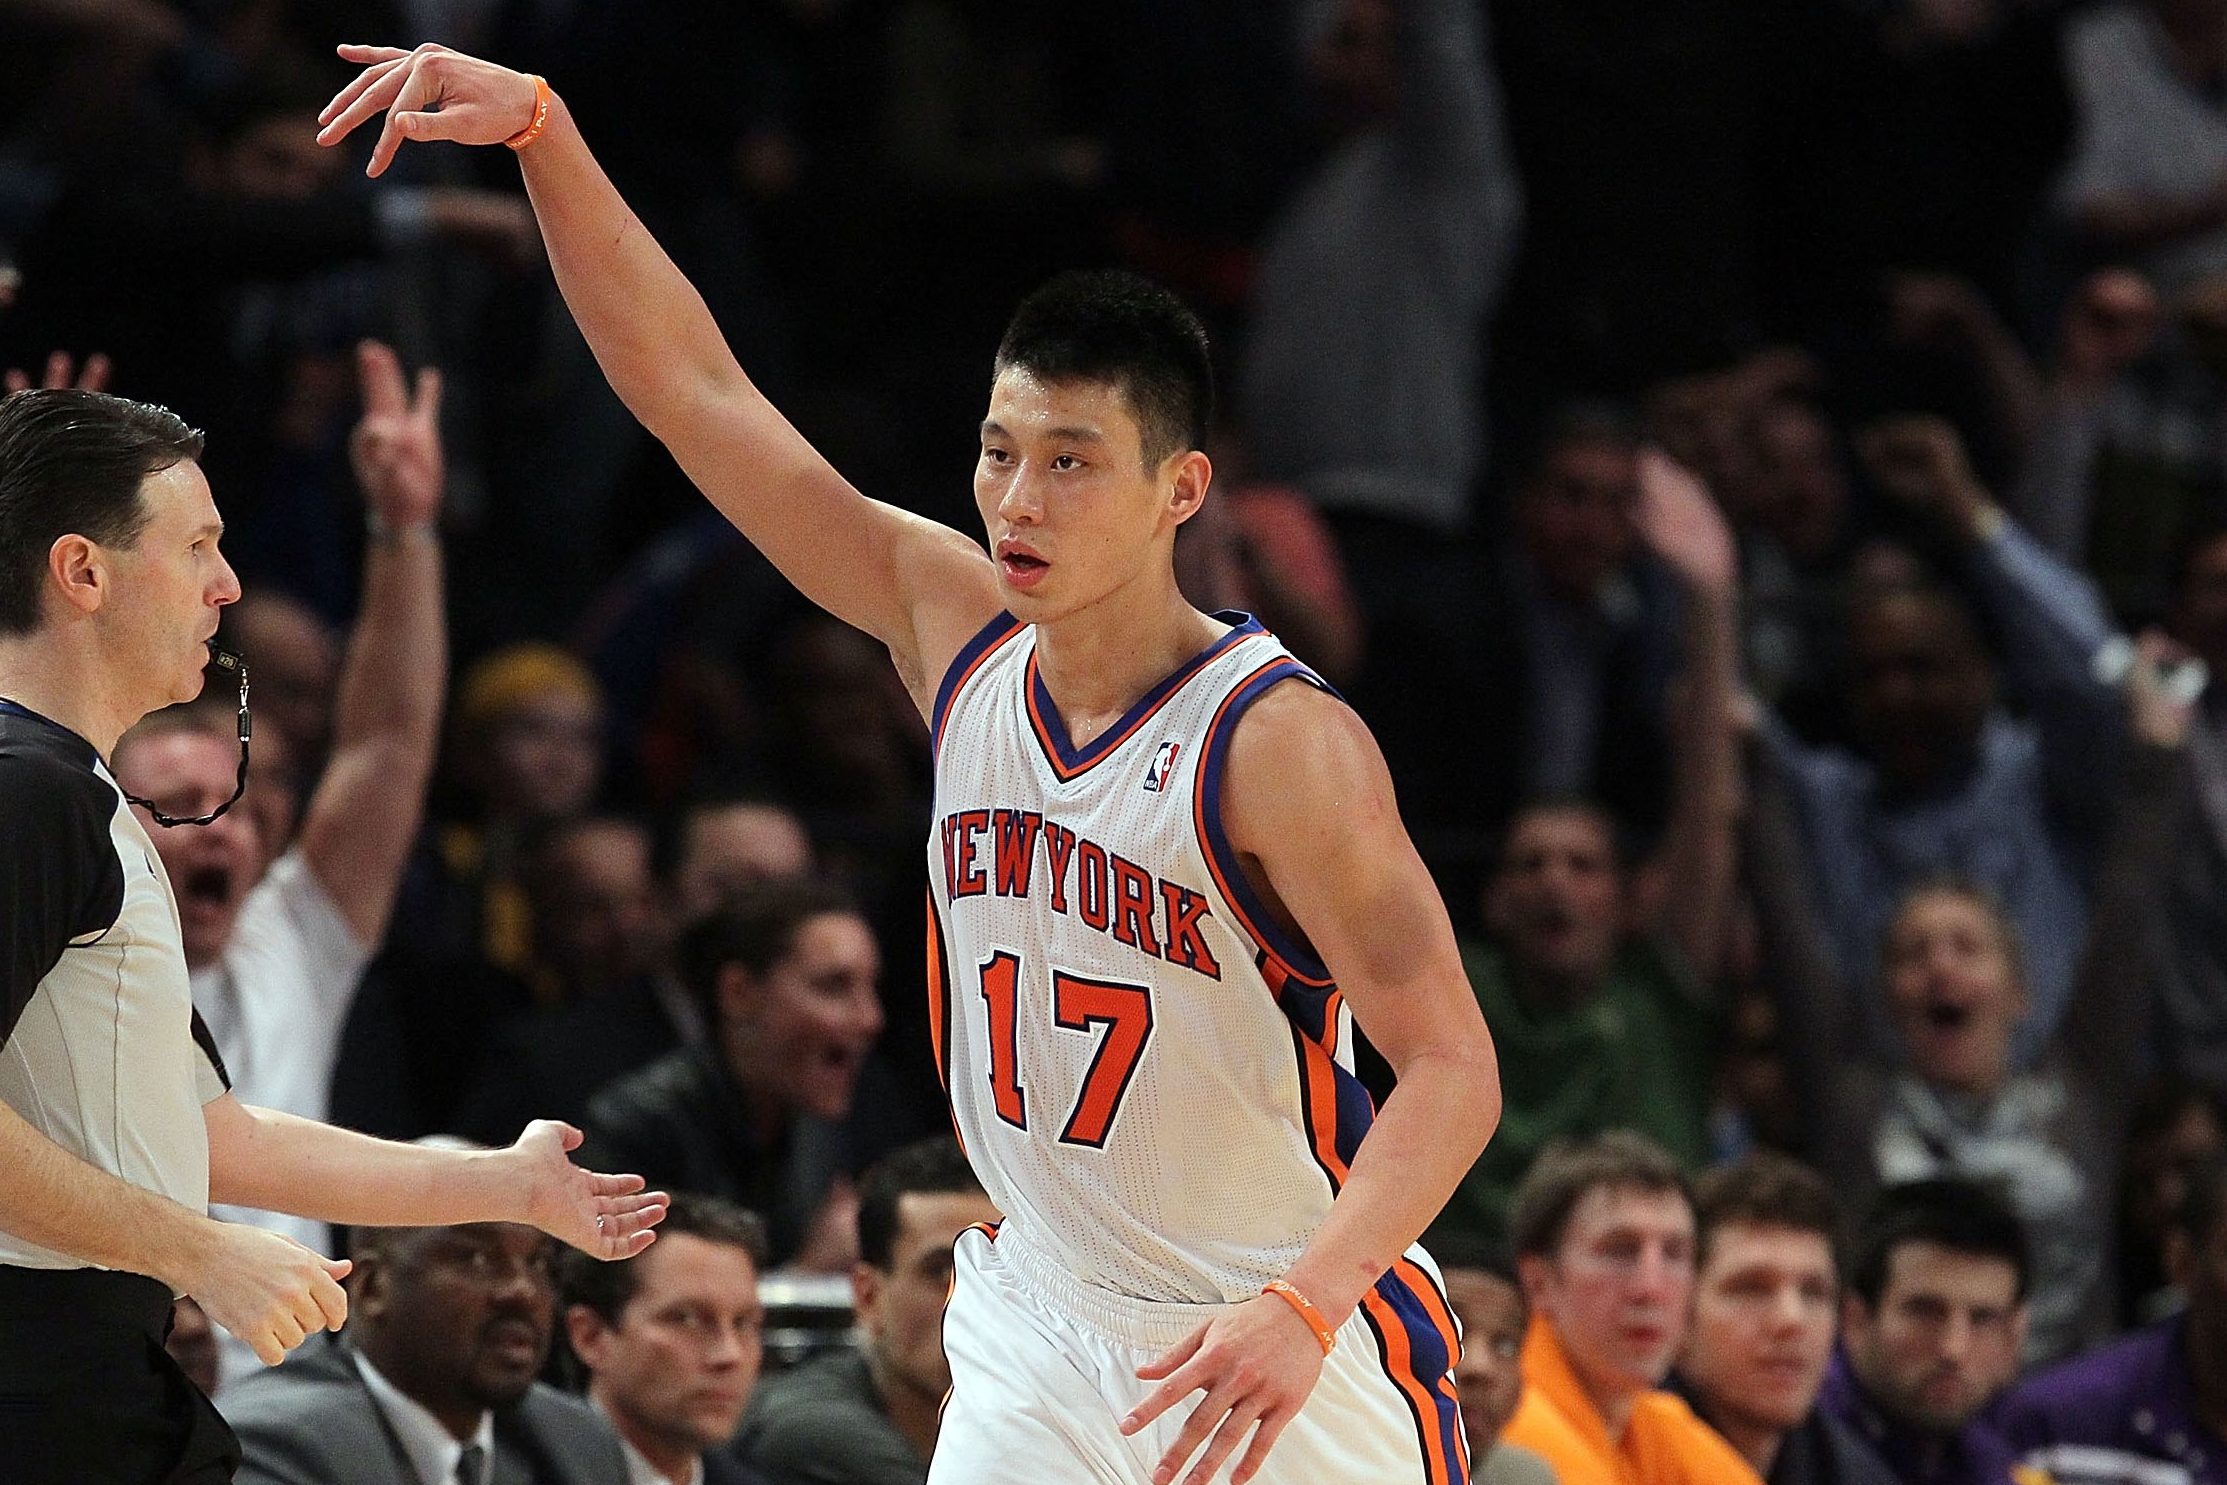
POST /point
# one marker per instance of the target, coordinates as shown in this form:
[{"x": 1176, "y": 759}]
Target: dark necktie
[{"x": 471, "y": 1466}]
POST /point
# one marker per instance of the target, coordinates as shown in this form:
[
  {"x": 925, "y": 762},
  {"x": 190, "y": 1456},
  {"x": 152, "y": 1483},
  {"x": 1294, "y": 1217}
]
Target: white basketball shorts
[{"x": 1043, "y": 1368}]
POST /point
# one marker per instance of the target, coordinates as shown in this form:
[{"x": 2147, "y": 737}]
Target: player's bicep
[
  {"x": 909, "y": 582},
  {"x": 1310, "y": 799}
]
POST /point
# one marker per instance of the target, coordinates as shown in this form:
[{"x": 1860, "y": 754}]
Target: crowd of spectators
[{"x": 1760, "y": 471}]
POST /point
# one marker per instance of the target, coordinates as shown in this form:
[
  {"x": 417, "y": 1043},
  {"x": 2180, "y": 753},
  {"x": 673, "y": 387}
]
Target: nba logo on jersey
[{"x": 1157, "y": 775}]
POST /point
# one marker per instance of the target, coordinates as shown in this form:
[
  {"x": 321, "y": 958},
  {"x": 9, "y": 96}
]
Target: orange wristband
[
  {"x": 1326, "y": 1336},
  {"x": 542, "y": 99}
]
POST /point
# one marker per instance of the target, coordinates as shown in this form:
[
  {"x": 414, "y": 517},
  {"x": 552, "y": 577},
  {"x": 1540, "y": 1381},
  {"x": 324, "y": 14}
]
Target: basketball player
[{"x": 1168, "y": 877}]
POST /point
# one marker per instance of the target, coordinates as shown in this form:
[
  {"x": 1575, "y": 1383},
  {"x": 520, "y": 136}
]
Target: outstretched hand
[
  {"x": 603, "y": 1216},
  {"x": 429, "y": 93},
  {"x": 1256, "y": 1362}
]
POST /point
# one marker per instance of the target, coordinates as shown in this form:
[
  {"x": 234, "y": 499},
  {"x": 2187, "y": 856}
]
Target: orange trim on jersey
[
  {"x": 1330, "y": 1009},
  {"x": 1419, "y": 1281},
  {"x": 939, "y": 998},
  {"x": 1322, "y": 1107},
  {"x": 1206, "y": 845},
  {"x": 1399, "y": 1364},
  {"x": 959, "y": 682}
]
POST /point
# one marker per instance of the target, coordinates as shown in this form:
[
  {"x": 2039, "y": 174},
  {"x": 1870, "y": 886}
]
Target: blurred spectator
[
  {"x": 2147, "y": 180},
  {"x": 297, "y": 659},
  {"x": 1954, "y": 1101},
  {"x": 1264, "y": 550},
  {"x": 1945, "y": 779},
  {"x": 672, "y": 1339},
  {"x": 2193, "y": 967},
  {"x": 1603, "y": 1235},
  {"x": 1362, "y": 382},
  {"x": 869, "y": 1417},
  {"x": 593, "y": 906},
  {"x": 1483, "y": 1293},
  {"x": 277, "y": 939},
  {"x": 526, "y": 750},
  {"x": 1931, "y": 1331},
  {"x": 1602, "y": 998},
  {"x": 547, "y": 1063},
  {"x": 787, "y": 978},
  {"x": 1766, "y": 1293},
  {"x": 2175, "y": 1126},
  {"x": 433, "y": 1377},
  {"x": 2151, "y": 1406}
]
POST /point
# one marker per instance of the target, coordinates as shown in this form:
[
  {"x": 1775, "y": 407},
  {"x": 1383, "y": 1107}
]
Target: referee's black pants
[{"x": 87, "y": 1392}]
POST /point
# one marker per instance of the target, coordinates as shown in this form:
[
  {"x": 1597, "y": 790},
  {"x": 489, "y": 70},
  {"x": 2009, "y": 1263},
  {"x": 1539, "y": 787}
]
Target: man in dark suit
[
  {"x": 672, "y": 1346},
  {"x": 432, "y": 1382}
]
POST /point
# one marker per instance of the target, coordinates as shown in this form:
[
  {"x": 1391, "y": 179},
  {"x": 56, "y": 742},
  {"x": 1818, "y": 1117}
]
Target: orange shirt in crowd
[{"x": 1665, "y": 1444}]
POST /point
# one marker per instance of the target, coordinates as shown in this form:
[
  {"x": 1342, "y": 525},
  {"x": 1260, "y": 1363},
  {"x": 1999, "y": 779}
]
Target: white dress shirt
[{"x": 432, "y": 1449}]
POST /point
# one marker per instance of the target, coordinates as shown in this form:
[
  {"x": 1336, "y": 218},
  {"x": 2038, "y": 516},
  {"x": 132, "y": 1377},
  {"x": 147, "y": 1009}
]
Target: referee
[{"x": 117, "y": 1127}]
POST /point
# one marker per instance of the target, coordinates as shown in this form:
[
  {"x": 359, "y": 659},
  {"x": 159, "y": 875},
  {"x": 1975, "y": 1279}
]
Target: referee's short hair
[{"x": 71, "y": 463}]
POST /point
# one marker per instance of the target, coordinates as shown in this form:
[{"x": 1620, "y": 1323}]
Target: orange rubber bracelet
[
  {"x": 543, "y": 97},
  {"x": 1307, "y": 1312}
]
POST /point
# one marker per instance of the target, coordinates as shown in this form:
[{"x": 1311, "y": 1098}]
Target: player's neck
[
  {"x": 1097, "y": 662},
  {"x": 42, "y": 675}
]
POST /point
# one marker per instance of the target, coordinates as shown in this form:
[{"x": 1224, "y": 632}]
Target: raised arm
[
  {"x": 920, "y": 588},
  {"x": 357, "y": 830},
  {"x": 1308, "y": 799},
  {"x": 1699, "y": 856}
]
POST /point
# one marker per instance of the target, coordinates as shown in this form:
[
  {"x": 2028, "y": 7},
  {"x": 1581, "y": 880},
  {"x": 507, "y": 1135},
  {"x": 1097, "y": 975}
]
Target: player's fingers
[
  {"x": 1272, "y": 1423},
  {"x": 1222, "y": 1445},
  {"x": 1165, "y": 1364},
  {"x": 1212, "y": 1409},
  {"x": 374, "y": 90},
  {"x": 16, "y": 380},
  {"x": 93, "y": 376},
  {"x": 426, "y": 405},
  {"x": 57, "y": 371}
]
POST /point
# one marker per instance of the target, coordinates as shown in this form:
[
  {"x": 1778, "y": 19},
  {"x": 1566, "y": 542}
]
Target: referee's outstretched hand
[
  {"x": 603, "y": 1216},
  {"x": 429, "y": 93},
  {"x": 268, "y": 1290}
]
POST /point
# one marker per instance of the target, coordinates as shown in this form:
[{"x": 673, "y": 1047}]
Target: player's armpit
[{"x": 1309, "y": 803}]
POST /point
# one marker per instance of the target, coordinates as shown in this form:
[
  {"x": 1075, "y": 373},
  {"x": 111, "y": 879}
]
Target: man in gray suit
[{"x": 432, "y": 1381}]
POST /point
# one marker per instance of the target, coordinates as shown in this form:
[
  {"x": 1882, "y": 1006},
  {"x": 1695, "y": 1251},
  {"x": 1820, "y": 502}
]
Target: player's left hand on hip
[
  {"x": 603, "y": 1216},
  {"x": 1256, "y": 1363}
]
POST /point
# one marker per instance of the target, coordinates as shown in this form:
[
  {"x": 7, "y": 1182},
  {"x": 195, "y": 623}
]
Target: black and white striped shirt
[{"x": 100, "y": 1048}]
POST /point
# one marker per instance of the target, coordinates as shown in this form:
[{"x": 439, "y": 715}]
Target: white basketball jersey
[{"x": 1152, "y": 1079}]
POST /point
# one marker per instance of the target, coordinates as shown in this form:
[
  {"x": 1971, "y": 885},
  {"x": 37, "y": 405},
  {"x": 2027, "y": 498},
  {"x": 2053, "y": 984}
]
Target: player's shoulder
[{"x": 1300, "y": 729}]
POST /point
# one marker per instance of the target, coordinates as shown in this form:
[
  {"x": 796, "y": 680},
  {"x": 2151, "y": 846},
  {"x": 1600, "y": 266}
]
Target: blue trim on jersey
[
  {"x": 1214, "y": 759},
  {"x": 1072, "y": 759},
  {"x": 986, "y": 639},
  {"x": 1428, "y": 1357}
]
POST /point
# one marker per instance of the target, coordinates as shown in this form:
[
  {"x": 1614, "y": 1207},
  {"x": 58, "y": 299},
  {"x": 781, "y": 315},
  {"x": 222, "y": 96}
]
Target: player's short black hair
[
  {"x": 608, "y": 1287},
  {"x": 936, "y": 1166},
  {"x": 1962, "y": 1216},
  {"x": 755, "y": 929},
  {"x": 71, "y": 464},
  {"x": 1620, "y": 1160},
  {"x": 1106, "y": 325},
  {"x": 1764, "y": 1189}
]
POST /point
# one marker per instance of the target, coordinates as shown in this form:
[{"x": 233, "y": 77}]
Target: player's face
[
  {"x": 1617, "y": 1290},
  {"x": 901, "y": 1308},
  {"x": 1763, "y": 1318},
  {"x": 1490, "y": 1374},
  {"x": 1072, "y": 512},
  {"x": 212, "y": 866},
  {"x": 1946, "y": 1336},
  {"x": 680, "y": 1365},
  {"x": 169, "y": 588},
  {"x": 806, "y": 1027},
  {"x": 1953, "y": 990}
]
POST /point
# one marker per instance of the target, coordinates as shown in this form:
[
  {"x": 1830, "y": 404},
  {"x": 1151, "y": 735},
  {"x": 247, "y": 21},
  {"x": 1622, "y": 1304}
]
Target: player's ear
[{"x": 1188, "y": 476}]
